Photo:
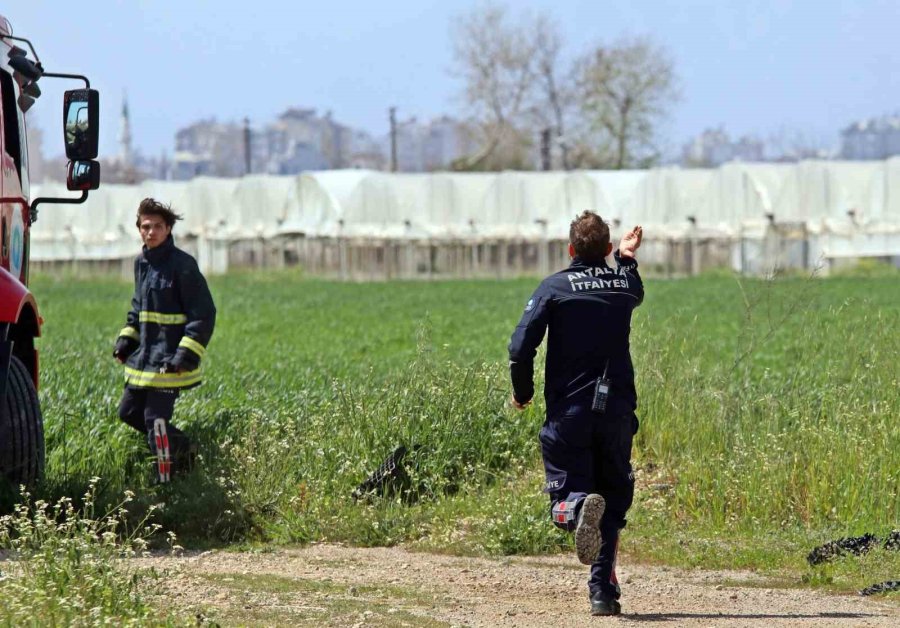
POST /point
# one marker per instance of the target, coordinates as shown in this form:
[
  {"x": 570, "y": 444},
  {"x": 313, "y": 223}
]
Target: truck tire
[{"x": 21, "y": 429}]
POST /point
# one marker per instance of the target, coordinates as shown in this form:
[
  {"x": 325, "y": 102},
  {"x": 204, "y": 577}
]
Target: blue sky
[{"x": 809, "y": 67}]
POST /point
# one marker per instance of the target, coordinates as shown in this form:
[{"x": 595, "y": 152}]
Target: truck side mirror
[
  {"x": 83, "y": 175},
  {"x": 81, "y": 117}
]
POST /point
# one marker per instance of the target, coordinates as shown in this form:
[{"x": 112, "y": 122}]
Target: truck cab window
[{"x": 11, "y": 121}]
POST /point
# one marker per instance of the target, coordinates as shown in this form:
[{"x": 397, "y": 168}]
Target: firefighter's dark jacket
[
  {"x": 170, "y": 323},
  {"x": 588, "y": 311}
]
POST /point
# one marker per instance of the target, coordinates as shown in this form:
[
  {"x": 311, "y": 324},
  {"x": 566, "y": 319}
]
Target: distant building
[
  {"x": 875, "y": 138},
  {"x": 429, "y": 146},
  {"x": 713, "y": 148},
  {"x": 363, "y": 151},
  {"x": 448, "y": 140},
  {"x": 208, "y": 148},
  {"x": 298, "y": 140}
]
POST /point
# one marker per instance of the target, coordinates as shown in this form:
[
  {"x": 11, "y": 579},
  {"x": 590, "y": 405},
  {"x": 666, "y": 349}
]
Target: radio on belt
[{"x": 601, "y": 392}]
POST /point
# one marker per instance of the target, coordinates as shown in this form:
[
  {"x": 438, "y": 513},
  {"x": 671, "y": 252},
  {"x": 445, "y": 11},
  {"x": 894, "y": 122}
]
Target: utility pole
[
  {"x": 247, "y": 138},
  {"x": 564, "y": 148},
  {"x": 393, "y": 115},
  {"x": 545, "y": 149}
]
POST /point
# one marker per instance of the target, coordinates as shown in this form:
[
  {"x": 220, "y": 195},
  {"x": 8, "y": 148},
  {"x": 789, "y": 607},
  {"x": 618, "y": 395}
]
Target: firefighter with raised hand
[
  {"x": 589, "y": 393},
  {"x": 165, "y": 337}
]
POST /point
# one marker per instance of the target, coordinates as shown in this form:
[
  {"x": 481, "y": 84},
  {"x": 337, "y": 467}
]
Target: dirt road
[{"x": 343, "y": 586}]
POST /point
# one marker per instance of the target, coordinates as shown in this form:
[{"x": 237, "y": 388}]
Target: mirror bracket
[
  {"x": 77, "y": 77},
  {"x": 33, "y": 213},
  {"x": 37, "y": 59}
]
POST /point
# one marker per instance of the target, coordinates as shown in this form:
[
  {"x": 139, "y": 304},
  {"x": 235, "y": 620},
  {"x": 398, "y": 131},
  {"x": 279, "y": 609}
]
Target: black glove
[
  {"x": 125, "y": 347},
  {"x": 183, "y": 360}
]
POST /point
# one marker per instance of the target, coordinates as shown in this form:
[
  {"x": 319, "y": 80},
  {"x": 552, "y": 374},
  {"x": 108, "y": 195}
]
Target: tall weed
[{"x": 68, "y": 567}]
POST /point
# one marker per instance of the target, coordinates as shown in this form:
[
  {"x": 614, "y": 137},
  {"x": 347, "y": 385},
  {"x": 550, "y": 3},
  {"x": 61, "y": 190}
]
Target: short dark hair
[
  {"x": 152, "y": 207},
  {"x": 589, "y": 236}
]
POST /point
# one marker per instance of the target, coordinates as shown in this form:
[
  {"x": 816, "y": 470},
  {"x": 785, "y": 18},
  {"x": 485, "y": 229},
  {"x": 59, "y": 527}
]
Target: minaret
[{"x": 125, "y": 134}]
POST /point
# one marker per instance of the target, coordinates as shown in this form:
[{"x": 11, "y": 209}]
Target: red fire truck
[{"x": 21, "y": 425}]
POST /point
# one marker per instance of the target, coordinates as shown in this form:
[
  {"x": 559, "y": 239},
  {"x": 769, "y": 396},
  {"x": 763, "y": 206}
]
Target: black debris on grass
[
  {"x": 892, "y": 542},
  {"x": 387, "y": 478},
  {"x": 881, "y": 587},
  {"x": 856, "y": 545}
]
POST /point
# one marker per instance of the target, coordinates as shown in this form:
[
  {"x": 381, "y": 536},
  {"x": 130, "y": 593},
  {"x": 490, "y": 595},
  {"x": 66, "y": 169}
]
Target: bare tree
[
  {"x": 624, "y": 92},
  {"x": 496, "y": 60},
  {"x": 554, "y": 91}
]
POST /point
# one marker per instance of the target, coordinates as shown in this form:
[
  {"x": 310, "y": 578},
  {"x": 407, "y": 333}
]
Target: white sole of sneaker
[{"x": 587, "y": 531}]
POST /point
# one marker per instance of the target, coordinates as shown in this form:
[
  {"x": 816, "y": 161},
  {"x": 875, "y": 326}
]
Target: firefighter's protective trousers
[{"x": 140, "y": 407}]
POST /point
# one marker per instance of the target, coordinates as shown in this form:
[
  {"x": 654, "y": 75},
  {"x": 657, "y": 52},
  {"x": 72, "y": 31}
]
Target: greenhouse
[{"x": 748, "y": 216}]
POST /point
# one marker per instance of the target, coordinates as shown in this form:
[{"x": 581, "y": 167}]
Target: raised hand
[{"x": 631, "y": 242}]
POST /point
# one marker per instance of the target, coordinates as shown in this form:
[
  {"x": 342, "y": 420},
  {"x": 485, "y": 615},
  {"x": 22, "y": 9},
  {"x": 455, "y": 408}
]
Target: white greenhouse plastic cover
[{"x": 843, "y": 200}]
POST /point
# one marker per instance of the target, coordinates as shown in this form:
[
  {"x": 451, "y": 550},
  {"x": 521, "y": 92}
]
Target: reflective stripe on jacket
[{"x": 171, "y": 319}]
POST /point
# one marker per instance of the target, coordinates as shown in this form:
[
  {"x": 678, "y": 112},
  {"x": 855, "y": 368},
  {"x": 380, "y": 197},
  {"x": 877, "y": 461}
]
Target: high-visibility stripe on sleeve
[
  {"x": 162, "y": 319},
  {"x": 193, "y": 345},
  {"x": 129, "y": 332},
  {"x": 152, "y": 379}
]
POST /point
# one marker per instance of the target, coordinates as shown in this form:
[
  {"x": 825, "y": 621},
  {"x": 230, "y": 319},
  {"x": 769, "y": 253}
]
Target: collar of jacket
[
  {"x": 161, "y": 252},
  {"x": 577, "y": 261}
]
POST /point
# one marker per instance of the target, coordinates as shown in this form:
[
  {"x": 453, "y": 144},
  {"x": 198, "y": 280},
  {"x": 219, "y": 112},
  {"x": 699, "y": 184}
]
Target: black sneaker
[
  {"x": 587, "y": 531},
  {"x": 602, "y": 604}
]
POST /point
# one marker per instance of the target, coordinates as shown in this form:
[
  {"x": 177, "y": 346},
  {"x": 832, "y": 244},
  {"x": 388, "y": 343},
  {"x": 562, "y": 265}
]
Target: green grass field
[{"x": 768, "y": 417}]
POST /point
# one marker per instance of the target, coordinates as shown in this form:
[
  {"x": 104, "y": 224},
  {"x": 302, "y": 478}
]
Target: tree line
[{"x": 601, "y": 108}]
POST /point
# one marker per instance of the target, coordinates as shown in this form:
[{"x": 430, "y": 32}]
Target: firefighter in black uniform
[
  {"x": 589, "y": 393},
  {"x": 164, "y": 339}
]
